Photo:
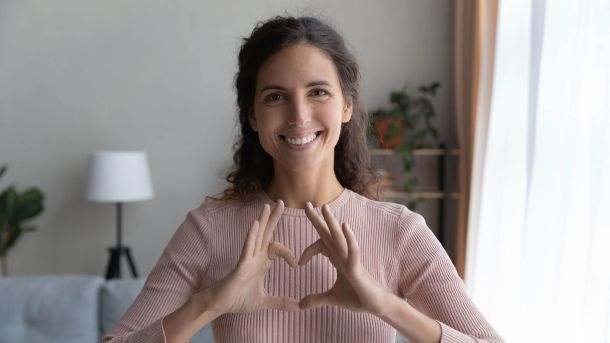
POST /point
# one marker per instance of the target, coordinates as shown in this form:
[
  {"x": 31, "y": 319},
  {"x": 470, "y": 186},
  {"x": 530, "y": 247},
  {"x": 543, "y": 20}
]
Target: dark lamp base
[{"x": 114, "y": 264}]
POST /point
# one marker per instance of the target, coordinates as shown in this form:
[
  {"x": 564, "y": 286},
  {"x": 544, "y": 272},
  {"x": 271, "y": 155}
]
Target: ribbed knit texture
[{"x": 397, "y": 249}]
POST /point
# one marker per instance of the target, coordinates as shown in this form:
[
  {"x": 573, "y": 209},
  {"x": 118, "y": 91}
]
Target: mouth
[{"x": 302, "y": 141}]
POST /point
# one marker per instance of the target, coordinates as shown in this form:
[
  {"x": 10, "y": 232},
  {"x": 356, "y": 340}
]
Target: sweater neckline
[{"x": 300, "y": 212}]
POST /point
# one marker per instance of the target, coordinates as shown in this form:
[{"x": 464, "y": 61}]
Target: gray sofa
[
  {"x": 69, "y": 308},
  {"x": 66, "y": 308}
]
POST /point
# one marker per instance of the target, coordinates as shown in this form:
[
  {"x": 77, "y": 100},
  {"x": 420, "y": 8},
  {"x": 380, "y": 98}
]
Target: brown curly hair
[{"x": 252, "y": 170}]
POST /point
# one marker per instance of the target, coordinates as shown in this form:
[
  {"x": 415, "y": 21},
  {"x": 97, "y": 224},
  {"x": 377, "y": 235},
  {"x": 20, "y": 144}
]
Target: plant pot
[{"x": 392, "y": 132}]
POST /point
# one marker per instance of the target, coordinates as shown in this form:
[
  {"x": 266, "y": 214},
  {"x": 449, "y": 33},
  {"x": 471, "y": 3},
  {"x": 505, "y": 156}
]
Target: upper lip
[{"x": 299, "y": 134}]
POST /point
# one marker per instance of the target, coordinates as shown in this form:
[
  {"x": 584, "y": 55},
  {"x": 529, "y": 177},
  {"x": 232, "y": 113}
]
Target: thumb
[
  {"x": 277, "y": 249},
  {"x": 282, "y": 303},
  {"x": 316, "y": 300},
  {"x": 318, "y": 247}
]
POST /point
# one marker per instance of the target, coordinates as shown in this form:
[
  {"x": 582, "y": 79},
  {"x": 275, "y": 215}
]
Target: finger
[
  {"x": 352, "y": 245},
  {"x": 248, "y": 249},
  {"x": 262, "y": 220},
  {"x": 277, "y": 249},
  {"x": 335, "y": 231},
  {"x": 317, "y": 247},
  {"x": 282, "y": 303},
  {"x": 272, "y": 224},
  {"x": 318, "y": 224},
  {"x": 316, "y": 300}
]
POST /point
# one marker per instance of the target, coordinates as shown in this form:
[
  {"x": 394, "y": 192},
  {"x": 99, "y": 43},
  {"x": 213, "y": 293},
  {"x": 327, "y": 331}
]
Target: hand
[
  {"x": 354, "y": 288},
  {"x": 242, "y": 290}
]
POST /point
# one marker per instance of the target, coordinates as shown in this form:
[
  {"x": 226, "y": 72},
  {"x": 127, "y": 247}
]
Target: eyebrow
[{"x": 311, "y": 84}]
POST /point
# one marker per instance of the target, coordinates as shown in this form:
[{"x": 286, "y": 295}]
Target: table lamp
[{"x": 118, "y": 177}]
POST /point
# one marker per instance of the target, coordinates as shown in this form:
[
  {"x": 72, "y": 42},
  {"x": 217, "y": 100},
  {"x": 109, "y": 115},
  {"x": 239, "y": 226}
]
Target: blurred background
[{"x": 510, "y": 166}]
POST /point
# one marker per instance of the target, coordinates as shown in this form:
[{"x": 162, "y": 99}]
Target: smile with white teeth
[{"x": 301, "y": 141}]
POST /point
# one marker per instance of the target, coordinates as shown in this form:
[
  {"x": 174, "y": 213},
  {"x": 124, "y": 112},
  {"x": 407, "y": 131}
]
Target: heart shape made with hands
[{"x": 354, "y": 288}]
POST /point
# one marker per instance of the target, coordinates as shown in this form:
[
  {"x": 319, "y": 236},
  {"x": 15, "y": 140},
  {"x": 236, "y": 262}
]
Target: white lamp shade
[{"x": 118, "y": 176}]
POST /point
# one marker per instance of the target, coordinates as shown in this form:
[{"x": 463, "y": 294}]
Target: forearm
[
  {"x": 186, "y": 321},
  {"x": 412, "y": 324}
]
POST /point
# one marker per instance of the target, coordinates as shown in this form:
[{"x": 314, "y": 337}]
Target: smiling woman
[
  {"x": 300, "y": 107},
  {"x": 300, "y": 184}
]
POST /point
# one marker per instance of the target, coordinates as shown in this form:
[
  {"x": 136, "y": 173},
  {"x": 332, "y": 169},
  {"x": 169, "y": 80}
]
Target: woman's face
[{"x": 299, "y": 98}]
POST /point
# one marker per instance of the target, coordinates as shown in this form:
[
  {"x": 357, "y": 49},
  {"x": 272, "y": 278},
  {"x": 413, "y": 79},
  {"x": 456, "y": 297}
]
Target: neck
[{"x": 296, "y": 189}]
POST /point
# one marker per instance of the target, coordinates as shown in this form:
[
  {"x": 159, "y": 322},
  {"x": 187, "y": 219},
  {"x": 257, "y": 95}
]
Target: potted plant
[
  {"x": 406, "y": 125},
  {"x": 15, "y": 209}
]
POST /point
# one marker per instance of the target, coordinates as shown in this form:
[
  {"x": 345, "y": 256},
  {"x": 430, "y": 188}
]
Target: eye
[
  {"x": 319, "y": 92},
  {"x": 274, "y": 97}
]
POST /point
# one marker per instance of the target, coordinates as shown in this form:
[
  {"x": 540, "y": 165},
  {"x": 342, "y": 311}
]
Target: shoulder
[
  {"x": 398, "y": 214},
  {"x": 214, "y": 210}
]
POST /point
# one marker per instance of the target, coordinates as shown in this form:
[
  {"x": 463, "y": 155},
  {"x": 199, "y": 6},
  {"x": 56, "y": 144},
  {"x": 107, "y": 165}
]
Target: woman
[{"x": 301, "y": 186}]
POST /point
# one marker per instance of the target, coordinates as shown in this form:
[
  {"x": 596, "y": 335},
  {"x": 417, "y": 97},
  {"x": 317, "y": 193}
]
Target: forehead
[{"x": 297, "y": 64}]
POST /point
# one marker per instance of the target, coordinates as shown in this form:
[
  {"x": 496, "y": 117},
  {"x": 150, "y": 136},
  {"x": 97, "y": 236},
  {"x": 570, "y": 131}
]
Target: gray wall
[{"x": 77, "y": 76}]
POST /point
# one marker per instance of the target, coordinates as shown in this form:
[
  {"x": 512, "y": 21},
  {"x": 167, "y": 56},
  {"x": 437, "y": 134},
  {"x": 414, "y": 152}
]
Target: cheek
[
  {"x": 267, "y": 127},
  {"x": 330, "y": 117}
]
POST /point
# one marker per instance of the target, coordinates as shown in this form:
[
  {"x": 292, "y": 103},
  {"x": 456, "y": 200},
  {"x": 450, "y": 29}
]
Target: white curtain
[{"x": 538, "y": 262}]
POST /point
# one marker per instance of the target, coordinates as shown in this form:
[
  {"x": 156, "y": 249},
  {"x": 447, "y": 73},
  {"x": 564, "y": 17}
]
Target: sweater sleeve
[
  {"x": 176, "y": 276},
  {"x": 431, "y": 284}
]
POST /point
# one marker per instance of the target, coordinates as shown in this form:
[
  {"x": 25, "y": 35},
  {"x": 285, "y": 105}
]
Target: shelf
[
  {"x": 418, "y": 152},
  {"x": 423, "y": 195},
  {"x": 440, "y": 197}
]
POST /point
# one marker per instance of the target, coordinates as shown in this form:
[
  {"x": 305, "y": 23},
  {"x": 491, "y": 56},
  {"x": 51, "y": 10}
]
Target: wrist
[
  {"x": 410, "y": 322},
  {"x": 203, "y": 303},
  {"x": 389, "y": 308},
  {"x": 184, "y": 322}
]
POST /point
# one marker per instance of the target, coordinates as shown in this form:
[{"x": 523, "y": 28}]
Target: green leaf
[
  {"x": 410, "y": 184},
  {"x": 436, "y": 85},
  {"x": 407, "y": 188},
  {"x": 8, "y": 204},
  {"x": 394, "y": 97},
  {"x": 3, "y": 198},
  {"x": 13, "y": 237},
  {"x": 413, "y": 108},
  {"x": 29, "y": 205},
  {"x": 413, "y": 181},
  {"x": 393, "y": 131},
  {"x": 412, "y": 205}
]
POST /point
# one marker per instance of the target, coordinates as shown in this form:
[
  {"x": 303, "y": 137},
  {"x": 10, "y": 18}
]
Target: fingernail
[{"x": 309, "y": 204}]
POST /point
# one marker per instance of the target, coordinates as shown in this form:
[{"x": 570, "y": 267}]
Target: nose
[{"x": 300, "y": 112}]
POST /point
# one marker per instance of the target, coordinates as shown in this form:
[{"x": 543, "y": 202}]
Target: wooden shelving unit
[
  {"x": 422, "y": 195},
  {"x": 442, "y": 194},
  {"x": 418, "y": 152}
]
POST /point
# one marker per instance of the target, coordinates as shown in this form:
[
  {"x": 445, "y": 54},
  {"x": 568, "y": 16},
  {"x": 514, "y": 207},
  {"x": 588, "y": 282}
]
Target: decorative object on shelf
[
  {"x": 15, "y": 209},
  {"x": 118, "y": 177},
  {"x": 405, "y": 126}
]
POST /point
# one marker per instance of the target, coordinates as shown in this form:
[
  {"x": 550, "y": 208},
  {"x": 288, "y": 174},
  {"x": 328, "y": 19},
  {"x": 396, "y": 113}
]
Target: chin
[{"x": 299, "y": 165}]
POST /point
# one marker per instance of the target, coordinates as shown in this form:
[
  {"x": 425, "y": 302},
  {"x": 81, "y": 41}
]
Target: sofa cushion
[
  {"x": 116, "y": 297},
  {"x": 58, "y": 308}
]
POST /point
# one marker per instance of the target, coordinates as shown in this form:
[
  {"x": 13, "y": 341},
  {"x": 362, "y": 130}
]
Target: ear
[
  {"x": 348, "y": 109},
  {"x": 252, "y": 120}
]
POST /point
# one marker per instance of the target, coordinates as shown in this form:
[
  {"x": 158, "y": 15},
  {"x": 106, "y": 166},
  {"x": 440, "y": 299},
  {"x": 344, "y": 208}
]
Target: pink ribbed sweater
[{"x": 397, "y": 249}]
